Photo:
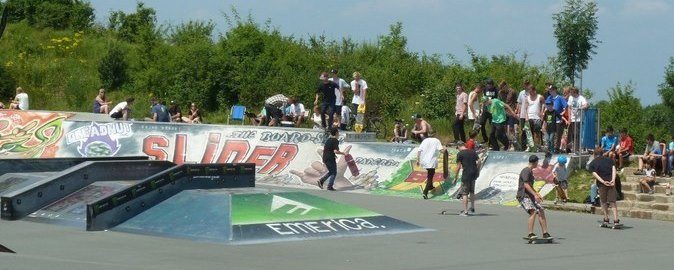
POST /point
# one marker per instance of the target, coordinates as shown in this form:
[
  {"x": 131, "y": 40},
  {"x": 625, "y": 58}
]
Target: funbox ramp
[{"x": 247, "y": 216}]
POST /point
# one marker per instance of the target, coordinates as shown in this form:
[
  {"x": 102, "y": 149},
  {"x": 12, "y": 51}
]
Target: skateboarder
[
  {"x": 604, "y": 171},
  {"x": 530, "y": 200},
  {"x": 427, "y": 158},
  {"x": 330, "y": 150},
  {"x": 468, "y": 160}
]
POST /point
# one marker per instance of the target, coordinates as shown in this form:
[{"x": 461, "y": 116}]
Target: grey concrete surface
[{"x": 492, "y": 240}]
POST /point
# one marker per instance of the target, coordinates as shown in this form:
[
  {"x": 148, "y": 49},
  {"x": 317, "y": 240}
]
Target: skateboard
[
  {"x": 530, "y": 137},
  {"x": 351, "y": 163},
  {"x": 608, "y": 225},
  {"x": 360, "y": 119},
  {"x": 445, "y": 164},
  {"x": 537, "y": 240}
]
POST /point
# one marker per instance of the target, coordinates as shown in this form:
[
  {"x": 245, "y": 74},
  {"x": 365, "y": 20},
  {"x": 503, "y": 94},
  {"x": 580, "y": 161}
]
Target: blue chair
[{"x": 237, "y": 113}]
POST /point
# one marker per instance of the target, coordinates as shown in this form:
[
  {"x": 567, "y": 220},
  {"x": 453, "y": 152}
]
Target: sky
[{"x": 636, "y": 35}]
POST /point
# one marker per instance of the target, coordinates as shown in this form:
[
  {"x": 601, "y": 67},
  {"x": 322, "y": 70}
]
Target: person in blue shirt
[
  {"x": 559, "y": 105},
  {"x": 609, "y": 142}
]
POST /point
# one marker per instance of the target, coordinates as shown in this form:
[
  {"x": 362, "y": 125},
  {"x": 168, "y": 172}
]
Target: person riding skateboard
[
  {"x": 468, "y": 160},
  {"x": 427, "y": 158},
  {"x": 530, "y": 200}
]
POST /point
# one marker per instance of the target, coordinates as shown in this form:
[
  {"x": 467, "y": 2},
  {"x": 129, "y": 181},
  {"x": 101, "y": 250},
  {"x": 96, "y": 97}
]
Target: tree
[
  {"x": 57, "y": 14},
  {"x": 666, "y": 92},
  {"x": 575, "y": 30},
  {"x": 112, "y": 68},
  {"x": 130, "y": 27}
]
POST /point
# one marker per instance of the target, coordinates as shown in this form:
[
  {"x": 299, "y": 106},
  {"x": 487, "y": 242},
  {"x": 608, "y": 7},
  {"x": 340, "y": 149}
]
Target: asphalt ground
[{"x": 492, "y": 239}]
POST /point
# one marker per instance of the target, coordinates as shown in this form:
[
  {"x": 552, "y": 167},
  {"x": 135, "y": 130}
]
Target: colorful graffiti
[{"x": 30, "y": 135}]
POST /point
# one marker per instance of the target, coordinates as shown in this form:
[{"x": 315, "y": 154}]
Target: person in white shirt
[
  {"x": 296, "y": 112},
  {"x": 122, "y": 110},
  {"x": 20, "y": 100},
  {"x": 339, "y": 93},
  {"x": 427, "y": 158},
  {"x": 460, "y": 111},
  {"x": 522, "y": 112},
  {"x": 474, "y": 104},
  {"x": 534, "y": 107},
  {"x": 577, "y": 103},
  {"x": 359, "y": 88},
  {"x": 316, "y": 118},
  {"x": 345, "y": 117}
]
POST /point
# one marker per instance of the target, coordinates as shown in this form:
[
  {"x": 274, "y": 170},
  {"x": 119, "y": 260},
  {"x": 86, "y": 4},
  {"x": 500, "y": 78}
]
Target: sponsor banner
[
  {"x": 258, "y": 208},
  {"x": 337, "y": 227}
]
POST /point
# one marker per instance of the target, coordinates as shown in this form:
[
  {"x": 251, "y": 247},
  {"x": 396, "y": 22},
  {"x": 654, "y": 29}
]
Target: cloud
[{"x": 646, "y": 7}]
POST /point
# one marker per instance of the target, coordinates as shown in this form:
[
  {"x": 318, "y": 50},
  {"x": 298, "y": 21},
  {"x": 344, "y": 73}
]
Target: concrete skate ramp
[
  {"x": 257, "y": 216},
  {"x": 28, "y": 165},
  {"x": 10, "y": 182}
]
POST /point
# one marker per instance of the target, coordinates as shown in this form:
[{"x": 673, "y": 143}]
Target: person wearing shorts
[
  {"x": 468, "y": 160},
  {"x": 530, "y": 200},
  {"x": 604, "y": 171}
]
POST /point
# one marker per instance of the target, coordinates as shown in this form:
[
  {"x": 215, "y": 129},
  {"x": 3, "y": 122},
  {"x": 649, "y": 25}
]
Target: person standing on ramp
[
  {"x": 427, "y": 158},
  {"x": 530, "y": 200},
  {"x": 468, "y": 160}
]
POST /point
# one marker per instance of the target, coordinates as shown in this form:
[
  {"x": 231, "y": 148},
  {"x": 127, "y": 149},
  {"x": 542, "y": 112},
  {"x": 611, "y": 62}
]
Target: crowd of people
[{"x": 158, "y": 110}]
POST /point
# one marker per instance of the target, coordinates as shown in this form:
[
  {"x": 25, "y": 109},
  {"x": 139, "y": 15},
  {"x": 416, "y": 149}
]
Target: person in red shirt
[{"x": 626, "y": 148}]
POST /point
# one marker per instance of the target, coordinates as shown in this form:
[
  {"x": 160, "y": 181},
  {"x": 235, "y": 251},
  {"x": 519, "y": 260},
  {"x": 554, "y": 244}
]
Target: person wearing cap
[
  {"x": 326, "y": 89},
  {"x": 460, "y": 114},
  {"x": 422, "y": 129},
  {"x": 604, "y": 172},
  {"x": 468, "y": 161},
  {"x": 499, "y": 112},
  {"x": 339, "y": 93},
  {"x": 530, "y": 200},
  {"x": 427, "y": 158},
  {"x": 549, "y": 127},
  {"x": 490, "y": 92},
  {"x": 175, "y": 112},
  {"x": 559, "y": 104},
  {"x": 561, "y": 174},
  {"x": 359, "y": 88}
]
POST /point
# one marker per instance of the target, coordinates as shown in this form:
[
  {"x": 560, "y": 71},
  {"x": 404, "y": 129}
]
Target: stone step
[
  {"x": 625, "y": 204},
  {"x": 633, "y": 187},
  {"x": 627, "y": 211},
  {"x": 654, "y": 198},
  {"x": 637, "y": 178}
]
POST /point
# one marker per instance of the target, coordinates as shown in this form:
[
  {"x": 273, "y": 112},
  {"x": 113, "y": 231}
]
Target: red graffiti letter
[
  {"x": 179, "y": 150},
  {"x": 211, "y": 147},
  {"x": 283, "y": 156},
  {"x": 258, "y": 153},
  {"x": 238, "y": 148},
  {"x": 152, "y": 146}
]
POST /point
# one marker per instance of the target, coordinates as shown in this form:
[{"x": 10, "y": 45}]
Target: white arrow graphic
[{"x": 279, "y": 202}]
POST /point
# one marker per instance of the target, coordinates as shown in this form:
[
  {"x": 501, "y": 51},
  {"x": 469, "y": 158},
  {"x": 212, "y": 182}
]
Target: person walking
[
  {"x": 499, "y": 112},
  {"x": 427, "y": 158},
  {"x": 330, "y": 152},
  {"x": 327, "y": 89}
]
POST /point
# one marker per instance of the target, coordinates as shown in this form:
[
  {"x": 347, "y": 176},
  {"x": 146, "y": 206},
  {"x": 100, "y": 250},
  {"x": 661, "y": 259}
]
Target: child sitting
[
  {"x": 316, "y": 118},
  {"x": 648, "y": 181},
  {"x": 561, "y": 179}
]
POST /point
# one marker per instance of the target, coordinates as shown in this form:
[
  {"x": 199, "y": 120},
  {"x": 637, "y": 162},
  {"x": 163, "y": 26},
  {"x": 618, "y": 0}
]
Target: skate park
[{"x": 81, "y": 192}]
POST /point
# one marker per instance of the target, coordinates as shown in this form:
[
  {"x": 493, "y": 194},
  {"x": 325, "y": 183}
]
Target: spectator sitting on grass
[
  {"x": 194, "y": 115},
  {"x": 625, "y": 149},
  {"x": 421, "y": 129},
  {"x": 652, "y": 155},
  {"x": 316, "y": 118},
  {"x": 259, "y": 119},
  {"x": 399, "y": 132},
  {"x": 20, "y": 101},
  {"x": 160, "y": 112},
  {"x": 296, "y": 112},
  {"x": 648, "y": 181},
  {"x": 122, "y": 110},
  {"x": 174, "y": 111},
  {"x": 101, "y": 103}
]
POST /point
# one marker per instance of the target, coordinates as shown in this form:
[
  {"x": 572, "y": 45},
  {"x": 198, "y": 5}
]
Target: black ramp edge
[
  {"x": 5, "y": 249},
  {"x": 21, "y": 203},
  {"x": 52, "y": 164},
  {"x": 127, "y": 203}
]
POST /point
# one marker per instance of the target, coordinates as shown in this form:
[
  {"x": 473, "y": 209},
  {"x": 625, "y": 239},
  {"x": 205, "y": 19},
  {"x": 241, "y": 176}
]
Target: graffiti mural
[
  {"x": 30, "y": 135},
  {"x": 99, "y": 139}
]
